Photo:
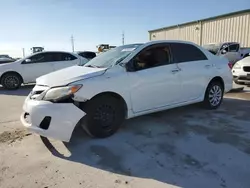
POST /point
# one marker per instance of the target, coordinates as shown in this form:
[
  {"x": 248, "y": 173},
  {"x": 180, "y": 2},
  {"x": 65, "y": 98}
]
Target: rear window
[{"x": 186, "y": 52}]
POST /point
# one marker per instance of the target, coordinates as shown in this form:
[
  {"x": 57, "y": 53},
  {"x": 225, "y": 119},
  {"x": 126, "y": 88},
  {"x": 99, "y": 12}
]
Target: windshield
[
  {"x": 112, "y": 57},
  {"x": 213, "y": 48}
]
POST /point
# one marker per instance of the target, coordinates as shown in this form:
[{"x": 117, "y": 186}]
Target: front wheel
[
  {"x": 104, "y": 115},
  {"x": 213, "y": 96}
]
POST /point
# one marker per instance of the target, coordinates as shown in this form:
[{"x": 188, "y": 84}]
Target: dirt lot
[{"x": 185, "y": 147}]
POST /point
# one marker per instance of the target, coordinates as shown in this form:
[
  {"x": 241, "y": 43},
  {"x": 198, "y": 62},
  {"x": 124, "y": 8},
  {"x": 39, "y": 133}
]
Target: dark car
[{"x": 87, "y": 54}]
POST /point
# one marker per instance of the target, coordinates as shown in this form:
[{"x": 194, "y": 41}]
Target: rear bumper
[{"x": 54, "y": 120}]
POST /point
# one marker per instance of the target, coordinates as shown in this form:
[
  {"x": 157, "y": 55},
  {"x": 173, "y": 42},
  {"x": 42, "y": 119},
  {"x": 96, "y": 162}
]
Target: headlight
[
  {"x": 58, "y": 93},
  {"x": 236, "y": 66}
]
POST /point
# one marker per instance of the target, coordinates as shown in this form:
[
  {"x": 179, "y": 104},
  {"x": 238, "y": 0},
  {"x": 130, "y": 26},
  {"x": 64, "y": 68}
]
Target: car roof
[{"x": 170, "y": 41}]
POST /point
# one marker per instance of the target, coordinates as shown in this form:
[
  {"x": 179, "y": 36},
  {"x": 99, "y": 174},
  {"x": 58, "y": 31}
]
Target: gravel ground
[{"x": 185, "y": 147}]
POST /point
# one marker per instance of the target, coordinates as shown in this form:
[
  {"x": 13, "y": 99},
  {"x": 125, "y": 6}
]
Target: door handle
[
  {"x": 175, "y": 71},
  {"x": 207, "y": 66}
]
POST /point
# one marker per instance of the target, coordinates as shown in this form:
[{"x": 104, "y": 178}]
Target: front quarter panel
[{"x": 114, "y": 80}]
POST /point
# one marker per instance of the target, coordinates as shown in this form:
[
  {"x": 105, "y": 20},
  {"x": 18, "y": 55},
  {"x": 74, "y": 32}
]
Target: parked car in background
[
  {"x": 4, "y": 60},
  {"x": 87, "y": 54},
  {"x": 241, "y": 71},
  {"x": 229, "y": 50},
  {"x": 26, "y": 70},
  {"x": 122, "y": 83}
]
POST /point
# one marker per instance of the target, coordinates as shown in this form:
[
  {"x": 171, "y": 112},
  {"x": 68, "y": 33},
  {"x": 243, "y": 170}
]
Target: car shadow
[
  {"x": 22, "y": 91},
  {"x": 174, "y": 147}
]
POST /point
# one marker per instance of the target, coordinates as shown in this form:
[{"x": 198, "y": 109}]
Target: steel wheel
[{"x": 105, "y": 114}]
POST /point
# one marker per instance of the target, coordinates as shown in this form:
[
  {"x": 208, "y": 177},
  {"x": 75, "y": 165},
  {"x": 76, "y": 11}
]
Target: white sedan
[
  {"x": 241, "y": 71},
  {"x": 26, "y": 70},
  {"x": 123, "y": 83}
]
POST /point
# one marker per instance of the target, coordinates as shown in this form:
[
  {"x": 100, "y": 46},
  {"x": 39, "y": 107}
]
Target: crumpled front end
[{"x": 54, "y": 120}]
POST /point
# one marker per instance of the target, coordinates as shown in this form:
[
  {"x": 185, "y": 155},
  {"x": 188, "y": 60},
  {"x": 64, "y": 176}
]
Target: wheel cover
[
  {"x": 11, "y": 81},
  {"x": 215, "y": 95},
  {"x": 105, "y": 115}
]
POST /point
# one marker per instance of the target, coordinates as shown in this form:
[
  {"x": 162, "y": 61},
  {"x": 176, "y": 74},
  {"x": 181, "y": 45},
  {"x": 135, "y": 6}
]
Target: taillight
[{"x": 230, "y": 65}]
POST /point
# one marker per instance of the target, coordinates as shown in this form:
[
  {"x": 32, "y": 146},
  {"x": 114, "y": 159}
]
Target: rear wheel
[
  {"x": 11, "y": 81},
  {"x": 214, "y": 95},
  {"x": 104, "y": 115}
]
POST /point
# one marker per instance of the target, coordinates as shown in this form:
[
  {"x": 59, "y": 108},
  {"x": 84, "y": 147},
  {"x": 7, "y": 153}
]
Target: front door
[
  {"x": 155, "y": 82},
  {"x": 36, "y": 66}
]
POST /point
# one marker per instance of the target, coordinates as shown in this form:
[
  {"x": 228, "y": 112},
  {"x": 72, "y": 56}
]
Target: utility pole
[
  {"x": 72, "y": 43},
  {"x": 123, "y": 38},
  {"x": 23, "y": 52}
]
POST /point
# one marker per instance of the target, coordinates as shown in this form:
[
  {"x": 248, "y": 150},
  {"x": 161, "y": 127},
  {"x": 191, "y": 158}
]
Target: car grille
[{"x": 246, "y": 69}]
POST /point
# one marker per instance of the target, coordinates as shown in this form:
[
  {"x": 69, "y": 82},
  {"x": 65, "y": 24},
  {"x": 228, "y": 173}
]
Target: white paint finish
[
  {"x": 237, "y": 70},
  {"x": 68, "y": 75},
  {"x": 64, "y": 117},
  {"x": 31, "y": 71},
  {"x": 154, "y": 88},
  {"x": 145, "y": 91}
]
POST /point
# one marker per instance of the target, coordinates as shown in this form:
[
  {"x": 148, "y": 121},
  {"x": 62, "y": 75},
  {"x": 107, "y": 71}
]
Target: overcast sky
[{"x": 50, "y": 23}]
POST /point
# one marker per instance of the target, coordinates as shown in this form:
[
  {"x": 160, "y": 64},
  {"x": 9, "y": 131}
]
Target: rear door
[
  {"x": 63, "y": 60},
  {"x": 38, "y": 65},
  {"x": 195, "y": 70}
]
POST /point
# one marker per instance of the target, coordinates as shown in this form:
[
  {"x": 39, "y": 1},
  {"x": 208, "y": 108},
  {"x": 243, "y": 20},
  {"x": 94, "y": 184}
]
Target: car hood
[
  {"x": 245, "y": 61},
  {"x": 68, "y": 75}
]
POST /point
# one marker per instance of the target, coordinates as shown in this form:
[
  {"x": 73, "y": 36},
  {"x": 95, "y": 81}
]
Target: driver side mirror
[
  {"x": 27, "y": 60},
  {"x": 223, "y": 52},
  {"x": 130, "y": 66}
]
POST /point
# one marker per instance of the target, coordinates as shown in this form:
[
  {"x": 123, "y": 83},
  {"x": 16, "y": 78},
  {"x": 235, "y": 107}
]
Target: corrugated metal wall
[{"x": 234, "y": 28}]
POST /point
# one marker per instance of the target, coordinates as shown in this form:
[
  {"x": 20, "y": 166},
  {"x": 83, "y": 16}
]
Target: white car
[
  {"x": 123, "y": 83},
  {"x": 241, "y": 71},
  {"x": 26, "y": 70}
]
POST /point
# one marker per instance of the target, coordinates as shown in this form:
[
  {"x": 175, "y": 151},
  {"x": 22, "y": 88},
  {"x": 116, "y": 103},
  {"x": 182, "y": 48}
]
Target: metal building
[{"x": 231, "y": 27}]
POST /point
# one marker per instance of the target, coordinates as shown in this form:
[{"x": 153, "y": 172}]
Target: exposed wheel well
[
  {"x": 11, "y": 72},
  {"x": 115, "y": 95},
  {"x": 218, "y": 79}
]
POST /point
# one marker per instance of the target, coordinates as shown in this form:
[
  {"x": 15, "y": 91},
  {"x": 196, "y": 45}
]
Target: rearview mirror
[{"x": 27, "y": 60}]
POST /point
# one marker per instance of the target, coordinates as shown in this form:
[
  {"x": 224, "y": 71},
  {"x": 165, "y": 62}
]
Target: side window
[
  {"x": 39, "y": 58},
  {"x": 152, "y": 57},
  {"x": 234, "y": 48},
  {"x": 67, "y": 57},
  {"x": 88, "y": 55},
  {"x": 186, "y": 52}
]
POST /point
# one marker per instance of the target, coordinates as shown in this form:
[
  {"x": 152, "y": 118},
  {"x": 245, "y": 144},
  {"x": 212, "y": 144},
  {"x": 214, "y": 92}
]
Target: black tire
[
  {"x": 214, "y": 95},
  {"x": 11, "y": 81},
  {"x": 104, "y": 116}
]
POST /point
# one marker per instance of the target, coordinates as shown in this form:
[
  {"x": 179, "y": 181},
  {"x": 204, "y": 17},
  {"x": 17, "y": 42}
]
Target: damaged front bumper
[{"x": 54, "y": 120}]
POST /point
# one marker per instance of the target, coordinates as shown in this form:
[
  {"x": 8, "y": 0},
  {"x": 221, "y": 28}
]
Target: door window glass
[
  {"x": 153, "y": 57},
  {"x": 234, "y": 48},
  {"x": 40, "y": 58},
  {"x": 67, "y": 57},
  {"x": 186, "y": 52}
]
